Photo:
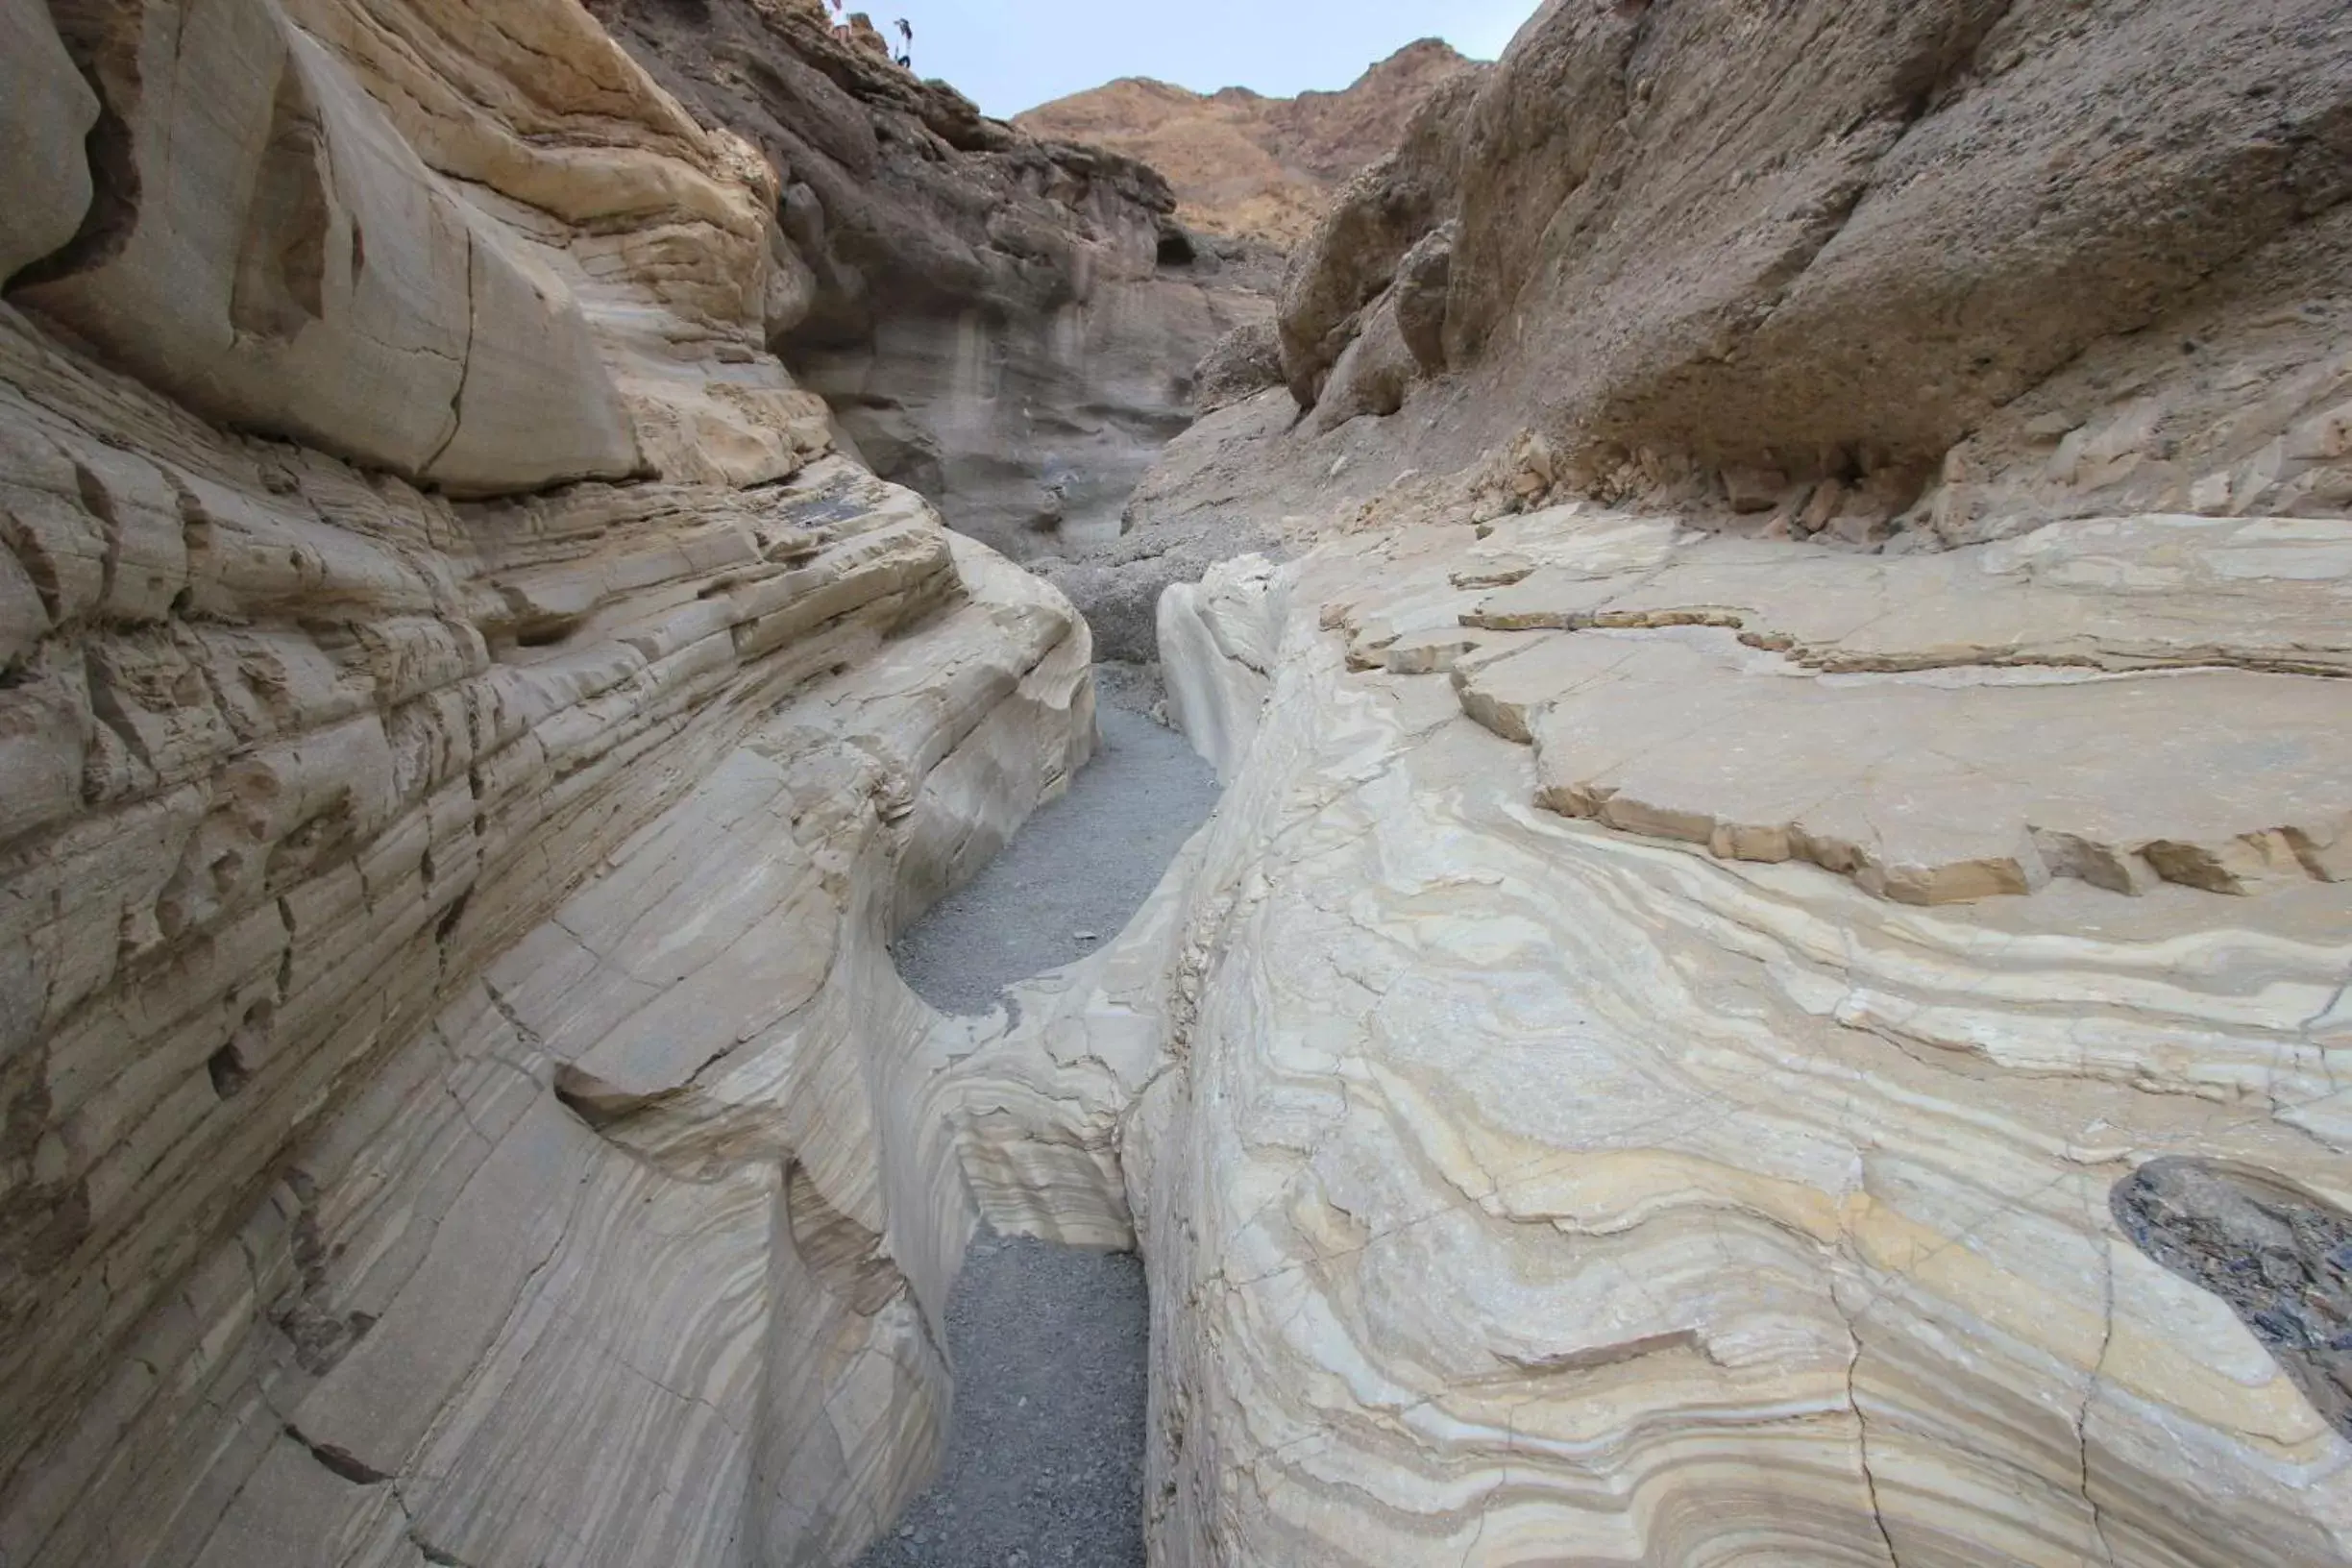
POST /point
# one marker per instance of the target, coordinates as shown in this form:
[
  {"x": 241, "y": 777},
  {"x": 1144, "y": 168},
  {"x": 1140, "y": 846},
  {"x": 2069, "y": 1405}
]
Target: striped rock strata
[
  {"x": 1571, "y": 1160},
  {"x": 458, "y": 1099},
  {"x": 463, "y": 747}
]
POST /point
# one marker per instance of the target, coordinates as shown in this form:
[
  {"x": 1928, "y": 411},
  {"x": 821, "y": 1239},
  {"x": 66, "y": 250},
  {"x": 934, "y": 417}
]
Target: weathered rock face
[
  {"x": 1677, "y": 1048},
  {"x": 1691, "y": 1049},
  {"x": 424, "y": 276},
  {"x": 1244, "y": 164},
  {"x": 1973, "y": 265},
  {"x": 1005, "y": 323},
  {"x": 1245, "y": 361}
]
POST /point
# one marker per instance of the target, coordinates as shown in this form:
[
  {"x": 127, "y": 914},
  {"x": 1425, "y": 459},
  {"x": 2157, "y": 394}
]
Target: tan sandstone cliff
[{"x": 1245, "y": 164}]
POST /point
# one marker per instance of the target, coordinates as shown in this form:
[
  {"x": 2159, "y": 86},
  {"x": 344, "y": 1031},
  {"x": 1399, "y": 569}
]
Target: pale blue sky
[{"x": 1011, "y": 55}]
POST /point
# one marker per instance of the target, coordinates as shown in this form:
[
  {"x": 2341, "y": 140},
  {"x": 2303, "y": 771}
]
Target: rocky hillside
[
  {"x": 1975, "y": 267},
  {"x": 1249, "y": 165}
]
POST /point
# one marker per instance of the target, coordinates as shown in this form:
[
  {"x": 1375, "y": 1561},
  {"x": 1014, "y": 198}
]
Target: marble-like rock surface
[
  {"x": 1551, "y": 1168},
  {"x": 460, "y": 1107},
  {"x": 1676, "y": 1049}
]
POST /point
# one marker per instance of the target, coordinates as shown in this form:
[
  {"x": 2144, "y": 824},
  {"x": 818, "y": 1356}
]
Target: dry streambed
[{"x": 1045, "y": 1441}]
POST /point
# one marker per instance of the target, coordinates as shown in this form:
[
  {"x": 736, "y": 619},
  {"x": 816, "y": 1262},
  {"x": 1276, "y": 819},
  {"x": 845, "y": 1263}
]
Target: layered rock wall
[
  {"x": 463, "y": 750},
  {"x": 1820, "y": 1046},
  {"x": 1006, "y": 323},
  {"x": 1676, "y": 1048},
  {"x": 1601, "y": 1171}
]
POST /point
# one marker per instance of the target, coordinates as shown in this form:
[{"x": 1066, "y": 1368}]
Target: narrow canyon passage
[
  {"x": 1075, "y": 873},
  {"x": 1044, "y": 1459},
  {"x": 1044, "y": 1463}
]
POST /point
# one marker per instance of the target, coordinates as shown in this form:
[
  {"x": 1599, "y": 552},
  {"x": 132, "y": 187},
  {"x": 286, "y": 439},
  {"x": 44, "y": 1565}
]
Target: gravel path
[
  {"x": 1044, "y": 1465},
  {"x": 1075, "y": 873}
]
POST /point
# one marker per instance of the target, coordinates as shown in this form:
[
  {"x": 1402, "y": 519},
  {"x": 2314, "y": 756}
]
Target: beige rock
[
  {"x": 391, "y": 899},
  {"x": 1755, "y": 489},
  {"x": 41, "y": 162},
  {"x": 1246, "y": 164},
  {"x": 1676, "y": 1048},
  {"x": 354, "y": 302},
  {"x": 1537, "y": 1187},
  {"x": 1374, "y": 372},
  {"x": 1216, "y": 641},
  {"x": 1244, "y": 362},
  {"x": 1000, "y": 321},
  {"x": 1376, "y": 220},
  {"x": 1818, "y": 244},
  {"x": 1940, "y": 727}
]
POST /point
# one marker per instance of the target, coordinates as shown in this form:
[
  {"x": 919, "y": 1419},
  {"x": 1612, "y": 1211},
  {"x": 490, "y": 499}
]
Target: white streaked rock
[{"x": 1534, "y": 1188}]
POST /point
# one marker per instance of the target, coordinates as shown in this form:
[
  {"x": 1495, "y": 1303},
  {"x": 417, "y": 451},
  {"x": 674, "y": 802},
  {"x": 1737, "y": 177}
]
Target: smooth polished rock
[
  {"x": 41, "y": 162},
  {"x": 446, "y": 994},
  {"x": 287, "y": 261},
  {"x": 1940, "y": 727},
  {"x": 1535, "y": 1186}
]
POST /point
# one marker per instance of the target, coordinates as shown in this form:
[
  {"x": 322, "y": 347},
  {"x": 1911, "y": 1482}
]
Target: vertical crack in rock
[
  {"x": 1510, "y": 1443},
  {"x": 1870, "y": 1477},
  {"x": 2091, "y": 1381},
  {"x": 465, "y": 367},
  {"x": 2279, "y": 1256}
]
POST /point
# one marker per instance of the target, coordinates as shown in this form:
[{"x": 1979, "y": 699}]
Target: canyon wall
[
  {"x": 1006, "y": 323},
  {"x": 464, "y": 745},
  {"x": 1771, "y": 983},
  {"x": 1703, "y": 1050},
  {"x": 1951, "y": 269}
]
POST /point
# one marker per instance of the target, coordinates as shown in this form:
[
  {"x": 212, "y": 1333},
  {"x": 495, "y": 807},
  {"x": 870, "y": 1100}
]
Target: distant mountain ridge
[{"x": 1246, "y": 164}]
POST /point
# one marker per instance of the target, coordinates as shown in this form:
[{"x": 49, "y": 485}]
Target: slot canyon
[{"x": 1589, "y": 809}]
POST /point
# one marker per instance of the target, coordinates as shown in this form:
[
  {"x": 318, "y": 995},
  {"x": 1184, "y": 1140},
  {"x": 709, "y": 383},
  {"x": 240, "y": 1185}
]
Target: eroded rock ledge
[
  {"x": 626, "y": 1178},
  {"x": 1675, "y": 1049}
]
